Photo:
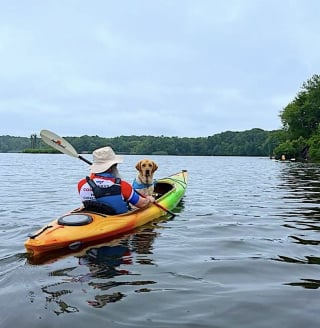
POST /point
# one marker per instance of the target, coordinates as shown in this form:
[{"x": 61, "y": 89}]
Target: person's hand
[{"x": 151, "y": 199}]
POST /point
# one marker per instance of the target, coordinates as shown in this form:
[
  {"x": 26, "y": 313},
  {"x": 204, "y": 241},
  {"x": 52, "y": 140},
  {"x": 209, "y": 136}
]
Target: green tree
[
  {"x": 301, "y": 117},
  {"x": 314, "y": 143},
  {"x": 300, "y": 120}
]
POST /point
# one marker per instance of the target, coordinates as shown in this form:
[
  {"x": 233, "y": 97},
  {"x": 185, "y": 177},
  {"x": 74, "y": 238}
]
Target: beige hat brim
[{"x": 101, "y": 167}]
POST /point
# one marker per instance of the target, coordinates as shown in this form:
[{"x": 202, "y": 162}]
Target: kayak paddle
[
  {"x": 60, "y": 144},
  {"x": 65, "y": 147}
]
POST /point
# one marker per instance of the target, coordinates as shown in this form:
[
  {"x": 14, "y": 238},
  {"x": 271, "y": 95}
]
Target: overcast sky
[{"x": 166, "y": 67}]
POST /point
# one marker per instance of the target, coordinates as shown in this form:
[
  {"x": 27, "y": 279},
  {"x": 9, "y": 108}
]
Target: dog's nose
[{"x": 147, "y": 172}]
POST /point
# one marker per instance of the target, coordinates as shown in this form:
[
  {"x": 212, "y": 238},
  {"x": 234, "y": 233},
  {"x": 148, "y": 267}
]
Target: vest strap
[{"x": 99, "y": 192}]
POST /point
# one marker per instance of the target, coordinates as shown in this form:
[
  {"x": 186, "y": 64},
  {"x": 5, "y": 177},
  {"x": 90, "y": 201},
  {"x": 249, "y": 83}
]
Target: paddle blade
[{"x": 58, "y": 143}]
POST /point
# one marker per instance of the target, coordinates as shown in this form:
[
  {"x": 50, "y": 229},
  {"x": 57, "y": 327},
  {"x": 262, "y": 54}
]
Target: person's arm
[
  {"x": 133, "y": 197},
  {"x": 144, "y": 201}
]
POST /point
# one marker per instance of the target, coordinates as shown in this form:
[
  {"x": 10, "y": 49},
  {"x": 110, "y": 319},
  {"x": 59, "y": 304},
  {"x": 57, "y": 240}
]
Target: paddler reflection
[
  {"x": 109, "y": 261},
  {"x": 103, "y": 261}
]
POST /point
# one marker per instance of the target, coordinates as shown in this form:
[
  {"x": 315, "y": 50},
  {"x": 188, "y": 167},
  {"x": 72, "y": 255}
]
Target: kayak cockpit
[{"x": 162, "y": 188}]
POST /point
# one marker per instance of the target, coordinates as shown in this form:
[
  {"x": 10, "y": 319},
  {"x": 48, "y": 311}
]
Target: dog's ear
[
  {"x": 138, "y": 166},
  {"x": 155, "y": 167}
]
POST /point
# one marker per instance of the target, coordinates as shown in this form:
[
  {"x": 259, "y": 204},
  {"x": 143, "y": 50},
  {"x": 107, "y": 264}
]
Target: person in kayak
[{"x": 104, "y": 186}]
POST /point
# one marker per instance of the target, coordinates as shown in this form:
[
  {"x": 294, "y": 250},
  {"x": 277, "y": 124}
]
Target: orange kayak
[{"x": 80, "y": 227}]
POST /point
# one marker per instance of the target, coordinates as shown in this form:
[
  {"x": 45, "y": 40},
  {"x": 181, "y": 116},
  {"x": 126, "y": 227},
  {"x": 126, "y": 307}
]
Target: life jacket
[
  {"x": 110, "y": 196},
  {"x": 139, "y": 185}
]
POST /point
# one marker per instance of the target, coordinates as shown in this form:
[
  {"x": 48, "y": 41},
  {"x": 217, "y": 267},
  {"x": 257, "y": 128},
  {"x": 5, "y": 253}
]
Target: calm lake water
[{"x": 242, "y": 252}]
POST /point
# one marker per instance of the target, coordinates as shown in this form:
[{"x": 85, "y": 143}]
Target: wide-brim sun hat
[{"x": 103, "y": 159}]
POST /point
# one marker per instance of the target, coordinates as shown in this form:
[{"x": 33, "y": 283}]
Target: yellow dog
[{"x": 144, "y": 182}]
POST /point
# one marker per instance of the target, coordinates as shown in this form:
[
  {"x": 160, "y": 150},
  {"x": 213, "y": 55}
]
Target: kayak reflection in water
[
  {"x": 107, "y": 262},
  {"x": 102, "y": 261}
]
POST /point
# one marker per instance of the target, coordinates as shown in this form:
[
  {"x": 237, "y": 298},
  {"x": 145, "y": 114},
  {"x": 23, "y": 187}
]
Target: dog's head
[{"x": 146, "y": 167}]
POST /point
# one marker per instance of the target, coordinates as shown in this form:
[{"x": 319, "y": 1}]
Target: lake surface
[{"x": 243, "y": 250}]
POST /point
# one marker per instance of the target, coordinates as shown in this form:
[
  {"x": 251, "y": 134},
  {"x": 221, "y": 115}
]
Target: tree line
[
  {"x": 254, "y": 142},
  {"x": 298, "y": 138}
]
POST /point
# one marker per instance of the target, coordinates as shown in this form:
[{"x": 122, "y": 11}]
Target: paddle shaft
[
  {"x": 84, "y": 159},
  {"x": 157, "y": 204}
]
